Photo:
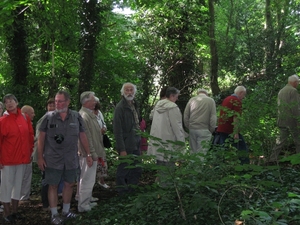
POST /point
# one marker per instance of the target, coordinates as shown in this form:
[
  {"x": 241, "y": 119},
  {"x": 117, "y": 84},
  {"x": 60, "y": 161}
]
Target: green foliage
[
  {"x": 258, "y": 121},
  {"x": 213, "y": 190}
]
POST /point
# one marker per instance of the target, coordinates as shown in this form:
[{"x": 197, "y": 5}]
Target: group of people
[
  {"x": 68, "y": 149},
  {"x": 200, "y": 119},
  {"x": 69, "y": 144},
  {"x": 205, "y": 129}
]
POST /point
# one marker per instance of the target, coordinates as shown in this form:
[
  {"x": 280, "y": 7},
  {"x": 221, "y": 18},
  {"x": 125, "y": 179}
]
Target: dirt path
[{"x": 34, "y": 214}]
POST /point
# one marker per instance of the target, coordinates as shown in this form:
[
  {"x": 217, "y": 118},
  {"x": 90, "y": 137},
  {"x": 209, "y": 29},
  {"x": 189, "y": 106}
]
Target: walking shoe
[
  {"x": 68, "y": 215},
  {"x": 17, "y": 216},
  {"x": 103, "y": 185},
  {"x": 84, "y": 209},
  {"x": 93, "y": 199},
  {"x": 56, "y": 219},
  {"x": 93, "y": 204},
  {"x": 8, "y": 219}
]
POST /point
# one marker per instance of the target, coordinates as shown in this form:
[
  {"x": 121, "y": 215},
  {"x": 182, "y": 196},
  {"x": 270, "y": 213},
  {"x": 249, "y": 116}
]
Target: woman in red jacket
[{"x": 16, "y": 144}]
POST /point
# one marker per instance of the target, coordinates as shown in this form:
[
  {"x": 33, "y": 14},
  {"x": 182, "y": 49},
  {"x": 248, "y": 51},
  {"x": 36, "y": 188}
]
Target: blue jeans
[{"x": 239, "y": 145}]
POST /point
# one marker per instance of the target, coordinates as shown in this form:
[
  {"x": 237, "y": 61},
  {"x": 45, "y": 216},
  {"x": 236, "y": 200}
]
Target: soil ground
[{"x": 35, "y": 215}]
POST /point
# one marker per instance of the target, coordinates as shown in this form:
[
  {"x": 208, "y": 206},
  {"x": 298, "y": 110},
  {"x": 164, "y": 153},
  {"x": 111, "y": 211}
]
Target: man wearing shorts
[{"x": 58, "y": 153}]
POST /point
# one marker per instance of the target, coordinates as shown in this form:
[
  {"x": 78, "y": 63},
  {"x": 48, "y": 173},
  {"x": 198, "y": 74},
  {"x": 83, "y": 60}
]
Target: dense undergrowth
[{"x": 217, "y": 191}]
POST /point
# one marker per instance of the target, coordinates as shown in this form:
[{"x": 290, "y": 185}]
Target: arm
[
  {"x": 118, "y": 131},
  {"x": 30, "y": 133},
  {"x": 176, "y": 123},
  {"x": 35, "y": 148},
  {"x": 151, "y": 114},
  {"x": 88, "y": 137},
  {"x": 84, "y": 141},
  {"x": 186, "y": 115},
  {"x": 235, "y": 127},
  {"x": 295, "y": 100},
  {"x": 41, "y": 144},
  {"x": 213, "y": 118},
  {"x": 104, "y": 128}
]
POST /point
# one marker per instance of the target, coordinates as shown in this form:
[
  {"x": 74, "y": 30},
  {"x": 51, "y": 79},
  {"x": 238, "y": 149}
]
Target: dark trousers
[
  {"x": 128, "y": 178},
  {"x": 225, "y": 140}
]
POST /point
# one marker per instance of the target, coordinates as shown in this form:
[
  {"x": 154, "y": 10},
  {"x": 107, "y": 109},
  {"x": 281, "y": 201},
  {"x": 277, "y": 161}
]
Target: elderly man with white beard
[{"x": 125, "y": 125}]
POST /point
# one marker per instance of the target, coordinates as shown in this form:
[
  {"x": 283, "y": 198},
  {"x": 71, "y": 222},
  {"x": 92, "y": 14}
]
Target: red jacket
[
  {"x": 231, "y": 106},
  {"x": 16, "y": 139}
]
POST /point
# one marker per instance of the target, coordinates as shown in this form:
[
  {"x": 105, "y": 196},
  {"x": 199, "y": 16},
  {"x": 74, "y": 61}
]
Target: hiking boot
[{"x": 56, "y": 219}]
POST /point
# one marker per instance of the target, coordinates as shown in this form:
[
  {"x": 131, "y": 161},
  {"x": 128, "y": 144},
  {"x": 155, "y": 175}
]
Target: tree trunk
[
  {"x": 89, "y": 32},
  {"x": 269, "y": 41},
  {"x": 18, "y": 52},
  {"x": 213, "y": 51}
]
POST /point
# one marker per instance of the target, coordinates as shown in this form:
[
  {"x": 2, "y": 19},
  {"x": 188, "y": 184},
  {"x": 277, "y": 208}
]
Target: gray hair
[
  {"x": 239, "y": 89},
  {"x": 172, "y": 91},
  {"x": 11, "y": 97},
  {"x": 85, "y": 96},
  {"x": 201, "y": 90},
  {"x": 131, "y": 84},
  {"x": 293, "y": 78},
  {"x": 65, "y": 94}
]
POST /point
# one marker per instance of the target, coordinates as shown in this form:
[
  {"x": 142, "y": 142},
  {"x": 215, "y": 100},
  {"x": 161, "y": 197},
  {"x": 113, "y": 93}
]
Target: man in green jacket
[
  {"x": 126, "y": 124},
  {"x": 288, "y": 117}
]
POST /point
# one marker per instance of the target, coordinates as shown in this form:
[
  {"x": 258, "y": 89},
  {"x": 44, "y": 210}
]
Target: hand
[
  {"x": 89, "y": 161},
  {"x": 236, "y": 136},
  {"x": 42, "y": 164},
  {"x": 103, "y": 130}
]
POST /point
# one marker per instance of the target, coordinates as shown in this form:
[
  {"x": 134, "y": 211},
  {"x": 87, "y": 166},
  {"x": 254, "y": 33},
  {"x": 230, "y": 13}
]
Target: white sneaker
[
  {"x": 103, "y": 185},
  {"x": 93, "y": 204},
  {"x": 87, "y": 209},
  {"x": 94, "y": 199}
]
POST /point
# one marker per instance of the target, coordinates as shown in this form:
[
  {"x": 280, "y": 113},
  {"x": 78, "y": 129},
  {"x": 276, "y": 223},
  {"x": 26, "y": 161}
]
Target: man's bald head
[{"x": 27, "y": 109}]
